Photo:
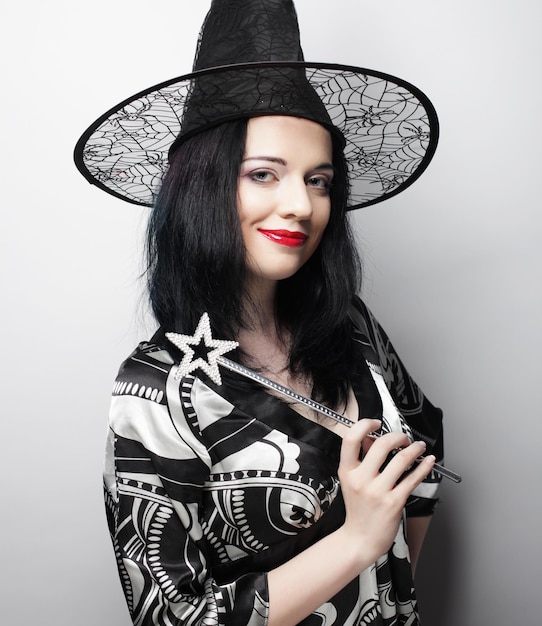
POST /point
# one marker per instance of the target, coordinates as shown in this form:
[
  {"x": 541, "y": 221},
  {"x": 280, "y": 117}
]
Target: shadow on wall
[{"x": 437, "y": 571}]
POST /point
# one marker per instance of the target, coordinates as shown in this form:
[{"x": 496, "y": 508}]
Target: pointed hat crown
[
  {"x": 249, "y": 40},
  {"x": 247, "y": 31}
]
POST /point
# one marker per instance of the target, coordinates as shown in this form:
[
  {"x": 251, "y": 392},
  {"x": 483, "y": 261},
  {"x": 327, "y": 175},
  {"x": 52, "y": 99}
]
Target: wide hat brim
[{"x": 389, "y": 126}]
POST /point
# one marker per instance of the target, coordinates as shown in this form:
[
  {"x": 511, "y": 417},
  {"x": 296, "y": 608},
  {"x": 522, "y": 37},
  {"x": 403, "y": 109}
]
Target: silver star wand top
[
  {"x": 193, "y": 347},
  {"x": 215, "y": 348}
]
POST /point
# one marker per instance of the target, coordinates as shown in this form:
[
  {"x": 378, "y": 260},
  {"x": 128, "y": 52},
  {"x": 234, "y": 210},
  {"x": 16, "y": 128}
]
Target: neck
[
  {"x": 260, "y": 304},
  {"x": 262, "y": 344}
]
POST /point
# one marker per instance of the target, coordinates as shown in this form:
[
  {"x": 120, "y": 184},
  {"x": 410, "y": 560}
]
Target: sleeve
[
  {"x": 155, "y": 469},
  {"x": 423, "y": 418}
]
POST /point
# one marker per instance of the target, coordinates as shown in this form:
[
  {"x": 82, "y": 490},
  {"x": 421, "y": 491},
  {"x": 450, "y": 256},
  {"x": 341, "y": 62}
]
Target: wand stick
[{"x": 316, "y": 406}]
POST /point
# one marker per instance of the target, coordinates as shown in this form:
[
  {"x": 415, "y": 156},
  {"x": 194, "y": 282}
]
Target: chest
[{"x": 265, "y": 486}]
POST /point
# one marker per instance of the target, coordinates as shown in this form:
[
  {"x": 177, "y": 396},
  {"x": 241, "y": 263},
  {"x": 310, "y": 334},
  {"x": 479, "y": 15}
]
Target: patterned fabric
[{"x": 210, "y": 487}]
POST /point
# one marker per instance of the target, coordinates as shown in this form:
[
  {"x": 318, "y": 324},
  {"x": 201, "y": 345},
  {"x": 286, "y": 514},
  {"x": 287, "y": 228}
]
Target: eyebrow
[{"x": 322, "y": 166}]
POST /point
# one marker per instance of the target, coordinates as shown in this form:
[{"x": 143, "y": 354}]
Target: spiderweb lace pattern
[{"x": 389, "y": 127}]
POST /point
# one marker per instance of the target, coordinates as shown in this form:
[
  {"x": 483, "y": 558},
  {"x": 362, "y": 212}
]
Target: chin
[{"x": 275, "y": 274}]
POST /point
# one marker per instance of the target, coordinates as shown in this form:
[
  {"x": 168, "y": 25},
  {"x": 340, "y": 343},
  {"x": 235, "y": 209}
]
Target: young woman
[{"x": 228, "y": 504}]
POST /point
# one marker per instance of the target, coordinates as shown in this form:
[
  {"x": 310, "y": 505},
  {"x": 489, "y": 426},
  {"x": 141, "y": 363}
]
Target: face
[{"x": 283, "y": 194}]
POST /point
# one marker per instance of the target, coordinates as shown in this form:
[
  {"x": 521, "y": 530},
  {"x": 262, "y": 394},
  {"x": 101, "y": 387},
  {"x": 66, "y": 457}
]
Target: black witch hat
[{"x": 249, "y": 62}]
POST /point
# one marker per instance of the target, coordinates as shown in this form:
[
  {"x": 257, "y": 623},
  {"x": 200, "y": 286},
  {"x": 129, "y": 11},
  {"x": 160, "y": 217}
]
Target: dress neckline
[{"x": 255, "y": 401}]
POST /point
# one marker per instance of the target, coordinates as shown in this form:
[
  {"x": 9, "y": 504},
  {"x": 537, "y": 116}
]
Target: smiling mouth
[{"x": 292, "y": 239}]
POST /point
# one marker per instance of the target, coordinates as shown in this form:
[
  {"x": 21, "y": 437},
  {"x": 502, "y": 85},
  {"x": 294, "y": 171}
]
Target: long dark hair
[{"x": 196, "y": 261}]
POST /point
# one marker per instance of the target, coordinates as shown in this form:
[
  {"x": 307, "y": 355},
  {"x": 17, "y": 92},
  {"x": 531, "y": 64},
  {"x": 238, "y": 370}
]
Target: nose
[{"x": 296, "y": 201}]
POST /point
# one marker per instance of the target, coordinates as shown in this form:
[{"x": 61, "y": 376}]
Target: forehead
[{"x": 278, "y": 134}]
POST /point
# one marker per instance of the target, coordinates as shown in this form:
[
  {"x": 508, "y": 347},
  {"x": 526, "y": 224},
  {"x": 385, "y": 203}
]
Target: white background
[{"x": 453, "y": 270}]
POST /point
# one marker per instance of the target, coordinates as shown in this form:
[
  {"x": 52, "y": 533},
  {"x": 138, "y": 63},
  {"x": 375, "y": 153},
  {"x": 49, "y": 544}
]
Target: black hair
[
  {"x": 196, "y": 261},
  {"x": 195, "y": 249}
]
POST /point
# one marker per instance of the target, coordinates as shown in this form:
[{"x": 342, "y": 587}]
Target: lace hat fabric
[{"x": 249, "y": 62}]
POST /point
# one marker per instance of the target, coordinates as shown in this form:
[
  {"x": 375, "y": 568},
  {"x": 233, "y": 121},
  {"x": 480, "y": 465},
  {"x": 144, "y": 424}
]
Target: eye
[
  {"x": 262, "y": 176},
  {"x": 321, "y": 182}
]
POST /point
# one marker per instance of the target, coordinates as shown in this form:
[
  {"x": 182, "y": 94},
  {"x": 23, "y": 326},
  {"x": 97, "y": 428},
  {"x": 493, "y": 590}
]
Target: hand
[{"x": 375, "y": 497}]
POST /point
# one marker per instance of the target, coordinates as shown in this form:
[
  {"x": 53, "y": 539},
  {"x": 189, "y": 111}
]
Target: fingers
[
  {"x": 405, "y": 466},
  {"x": 382, "y": 449},
  {"x": 391, "y": 456},
  {"x": 352, "y": 442},
  {"x": 421, "y": 470},
  {"x": 401, "y": 463}
]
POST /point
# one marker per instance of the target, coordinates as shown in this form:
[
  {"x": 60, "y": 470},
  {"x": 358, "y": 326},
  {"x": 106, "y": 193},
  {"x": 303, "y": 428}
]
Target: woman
[{"x": 227, "y": 504}]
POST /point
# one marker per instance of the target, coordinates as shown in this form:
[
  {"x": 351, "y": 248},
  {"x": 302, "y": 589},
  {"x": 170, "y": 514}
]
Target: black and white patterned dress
[{"x": 210, "y": 487}]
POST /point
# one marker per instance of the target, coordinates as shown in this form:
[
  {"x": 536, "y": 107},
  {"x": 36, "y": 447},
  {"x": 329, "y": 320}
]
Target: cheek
[
  {"x": 251, "y": 207},
  {"x": 323, "y": 220},
  {"x": 245, "y": 231},
  {"x": 319, "y": 227}
]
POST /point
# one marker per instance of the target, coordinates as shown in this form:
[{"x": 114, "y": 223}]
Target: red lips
[{"x": 293, "y": 239}]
